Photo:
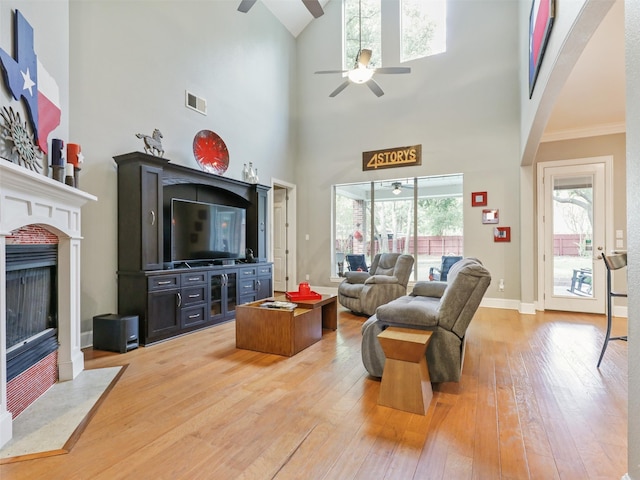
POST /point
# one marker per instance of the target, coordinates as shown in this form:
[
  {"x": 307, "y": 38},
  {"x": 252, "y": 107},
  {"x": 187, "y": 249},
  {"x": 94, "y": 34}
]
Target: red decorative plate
[{"x": 210, "y": 151}]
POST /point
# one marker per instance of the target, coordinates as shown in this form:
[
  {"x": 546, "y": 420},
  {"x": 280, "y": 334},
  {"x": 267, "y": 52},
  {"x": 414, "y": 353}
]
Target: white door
[
  {"x": 280, "y": 239},
  {"x": 575, "y": 201}
]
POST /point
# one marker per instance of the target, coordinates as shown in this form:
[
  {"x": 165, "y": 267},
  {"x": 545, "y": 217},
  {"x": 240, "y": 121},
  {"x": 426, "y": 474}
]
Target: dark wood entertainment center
[{"x": 172, "y": 299}]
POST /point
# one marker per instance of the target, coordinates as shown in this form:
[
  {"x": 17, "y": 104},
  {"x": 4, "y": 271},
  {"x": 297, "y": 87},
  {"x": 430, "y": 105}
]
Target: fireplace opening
[{"x": 31, "y": 305}]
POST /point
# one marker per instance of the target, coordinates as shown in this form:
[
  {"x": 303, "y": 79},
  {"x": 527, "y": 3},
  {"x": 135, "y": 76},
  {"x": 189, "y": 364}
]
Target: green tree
[
  {"x": 440, "y": 216},
  {"x": 418, "y": 30},
  {"x": 371, "y": 31}
]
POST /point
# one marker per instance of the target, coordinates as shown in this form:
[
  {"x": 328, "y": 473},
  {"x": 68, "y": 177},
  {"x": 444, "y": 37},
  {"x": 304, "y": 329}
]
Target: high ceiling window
[
  {"x": 369, "y": 30},
  {"x": 423, "y": 28}
]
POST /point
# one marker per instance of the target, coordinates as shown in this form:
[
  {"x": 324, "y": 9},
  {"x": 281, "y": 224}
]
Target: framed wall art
[
  {"x": 490, "y": 216},
  {"x": 540, "y": 22},
  {"x": 502, "y": 234},
  {"x": 479, "y": 199}
]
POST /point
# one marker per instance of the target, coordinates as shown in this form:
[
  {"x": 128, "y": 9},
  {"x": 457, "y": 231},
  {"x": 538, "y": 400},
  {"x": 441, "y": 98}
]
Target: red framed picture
[
  {"x": 502, "y": 234},
  {"x": 479, "y": 199}
]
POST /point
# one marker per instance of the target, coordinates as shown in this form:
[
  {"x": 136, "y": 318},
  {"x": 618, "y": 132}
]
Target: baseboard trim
[
  {"x": 503, "y": 303},
  {"x": 86, "y": 339}
]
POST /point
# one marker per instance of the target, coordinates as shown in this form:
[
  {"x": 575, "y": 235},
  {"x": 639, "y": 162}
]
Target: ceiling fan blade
[
  {"x": 393, "y": 70},
  {"x": 364, "y": 57},
  {"x": 375, "y": 88},
  {"x": 342, "y": 86},
  {"x": 314, "y": 7},
  {"x": 245, "y": 5},
  {"x": 332, "y": 71}
]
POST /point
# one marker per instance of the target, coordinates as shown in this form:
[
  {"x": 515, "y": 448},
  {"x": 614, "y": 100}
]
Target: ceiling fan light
[
  {"x": 360, "y": 74},
  {"x": 396, "y": 189}
]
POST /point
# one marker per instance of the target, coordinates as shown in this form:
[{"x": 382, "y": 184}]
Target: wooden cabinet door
[
  {"x": 265, "y": 281},
  {"x": 151, "y": 218},
  {"x": 163, "y": 314}
]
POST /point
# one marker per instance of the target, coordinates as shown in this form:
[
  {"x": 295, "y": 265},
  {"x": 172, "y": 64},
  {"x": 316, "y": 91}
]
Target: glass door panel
[{"x": 573, "y": 236}]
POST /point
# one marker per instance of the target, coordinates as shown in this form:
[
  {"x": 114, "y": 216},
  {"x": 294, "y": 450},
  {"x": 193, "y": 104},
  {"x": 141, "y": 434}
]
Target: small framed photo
[
  {"x": 502, "y": 234},
  {"x": 479, "y": 199},
  {"x": 490, "y": 216}
]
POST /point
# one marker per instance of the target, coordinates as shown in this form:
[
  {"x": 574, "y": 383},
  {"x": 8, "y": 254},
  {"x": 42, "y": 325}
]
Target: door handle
[
  {"x": 153, "y": 217},
  {"x": 179, "y": 299}
]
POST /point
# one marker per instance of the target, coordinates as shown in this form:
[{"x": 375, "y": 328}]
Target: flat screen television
[{"x": 206, "y": 232}]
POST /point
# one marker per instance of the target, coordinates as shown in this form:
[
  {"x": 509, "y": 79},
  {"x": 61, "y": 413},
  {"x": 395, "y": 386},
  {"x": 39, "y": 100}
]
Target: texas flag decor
[
  {"x": 26, "y": 78},
  {"x": 540, "y": 23}
]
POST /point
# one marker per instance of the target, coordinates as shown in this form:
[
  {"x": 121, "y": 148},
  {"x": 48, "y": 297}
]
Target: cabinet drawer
[
  {"x": 264, "y": 270},
  {"x": 162, "y": 282},
  {"x": 247, "y": 299},
  {"x": 246, "y": 286},
  {"x": 193, "y": 295},
  {"x": 247, "y": 272},
  {"x": 193, "y": 316},
  {"x": 193, "y": 278}
]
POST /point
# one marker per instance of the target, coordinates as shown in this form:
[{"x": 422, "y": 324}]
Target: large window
[
  {"x": 423, "y": 28},
  {"x": 418, "y": 216},
  {"x": 369, "y": 30}
]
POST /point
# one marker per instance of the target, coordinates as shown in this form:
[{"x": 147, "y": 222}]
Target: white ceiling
[
  {"x": 593, "y": 98},
  {"x": 291, "y": 13}
]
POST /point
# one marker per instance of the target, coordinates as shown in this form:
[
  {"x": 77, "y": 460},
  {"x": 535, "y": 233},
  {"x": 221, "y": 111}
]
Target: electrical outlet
[
  {"x": 306, "y": 277},
  {"x": 501, "y": 285}
]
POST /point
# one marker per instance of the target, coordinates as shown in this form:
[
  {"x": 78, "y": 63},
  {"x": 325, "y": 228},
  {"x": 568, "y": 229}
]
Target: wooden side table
[{"x": 405, "y": 380}]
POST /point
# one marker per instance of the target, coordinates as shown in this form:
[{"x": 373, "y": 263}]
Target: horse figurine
[{"x": 153, "y": 143}]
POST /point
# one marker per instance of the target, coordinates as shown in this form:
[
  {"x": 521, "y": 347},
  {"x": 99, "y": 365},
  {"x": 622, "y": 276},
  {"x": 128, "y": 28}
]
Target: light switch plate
[{"x": 619, "y": 234}]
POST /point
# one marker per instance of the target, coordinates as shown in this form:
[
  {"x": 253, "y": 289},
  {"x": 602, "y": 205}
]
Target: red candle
[{"x": 73, "y": 150}]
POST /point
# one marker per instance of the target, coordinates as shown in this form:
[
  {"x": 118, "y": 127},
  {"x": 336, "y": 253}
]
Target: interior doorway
[
  {"x": 283, "y": 235},
  {"x": 576, "y": 221}
]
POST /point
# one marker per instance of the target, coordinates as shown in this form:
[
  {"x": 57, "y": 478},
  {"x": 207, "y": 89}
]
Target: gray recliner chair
[
  {"x": 446, "y": 308},
  {"x": 386, "y": 280}
]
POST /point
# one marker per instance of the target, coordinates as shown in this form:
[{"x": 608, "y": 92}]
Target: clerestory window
[
  {"x": 365, "y": 33},
  {"x": 423, "y": 29}
]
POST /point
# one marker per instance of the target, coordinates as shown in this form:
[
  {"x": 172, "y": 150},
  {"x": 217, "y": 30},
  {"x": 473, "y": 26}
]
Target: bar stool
[{"x": 613, "y": 262}]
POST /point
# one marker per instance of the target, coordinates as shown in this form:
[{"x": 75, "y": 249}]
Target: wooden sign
[{"x": 391, "y": 158}]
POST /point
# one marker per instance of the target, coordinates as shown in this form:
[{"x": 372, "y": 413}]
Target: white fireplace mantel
[{"x": 28, "y": 198}]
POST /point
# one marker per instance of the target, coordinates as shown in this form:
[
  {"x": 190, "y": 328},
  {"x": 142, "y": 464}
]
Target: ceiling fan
[
  {"x": 398, "y": 186},
  {"x": 361, "y": 73},
  {"x": 313, "y": 6}
]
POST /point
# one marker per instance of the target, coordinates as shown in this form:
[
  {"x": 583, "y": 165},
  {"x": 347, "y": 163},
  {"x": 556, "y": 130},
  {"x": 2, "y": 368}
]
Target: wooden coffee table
[
  {"x": 277, "y": 331},
  {"x": 329, "y": 306}
]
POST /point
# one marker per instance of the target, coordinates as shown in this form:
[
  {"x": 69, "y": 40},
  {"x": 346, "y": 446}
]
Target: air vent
[{"x": 195, "y": 103}]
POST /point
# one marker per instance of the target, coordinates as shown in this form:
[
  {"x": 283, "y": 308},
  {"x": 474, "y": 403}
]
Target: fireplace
[{"x": 28, "y": 198}]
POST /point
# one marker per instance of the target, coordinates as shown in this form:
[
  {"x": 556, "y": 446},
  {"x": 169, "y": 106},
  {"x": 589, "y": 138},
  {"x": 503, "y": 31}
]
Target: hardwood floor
[{"x": 531, "y": 404}]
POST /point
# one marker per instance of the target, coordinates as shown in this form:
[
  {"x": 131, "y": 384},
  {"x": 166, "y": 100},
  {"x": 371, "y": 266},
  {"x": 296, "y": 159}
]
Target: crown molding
[{"x": 591, "y": 131}]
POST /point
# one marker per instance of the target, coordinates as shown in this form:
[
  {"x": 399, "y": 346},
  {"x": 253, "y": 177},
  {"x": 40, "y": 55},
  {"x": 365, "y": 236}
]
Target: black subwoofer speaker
[{"x": 115, "y": 333}]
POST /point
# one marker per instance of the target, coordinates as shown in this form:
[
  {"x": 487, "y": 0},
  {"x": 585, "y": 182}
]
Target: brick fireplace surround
[{"x": 30, "y": 198}]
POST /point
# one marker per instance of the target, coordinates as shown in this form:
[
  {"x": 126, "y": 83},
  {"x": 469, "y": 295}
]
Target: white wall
[
  {"x": 131, "y": 62},
  {"x": 462, "y": 106}
]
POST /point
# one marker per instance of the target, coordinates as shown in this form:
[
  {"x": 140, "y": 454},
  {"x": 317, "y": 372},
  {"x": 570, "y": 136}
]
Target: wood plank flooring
[{"x": 531, "y": 404}]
